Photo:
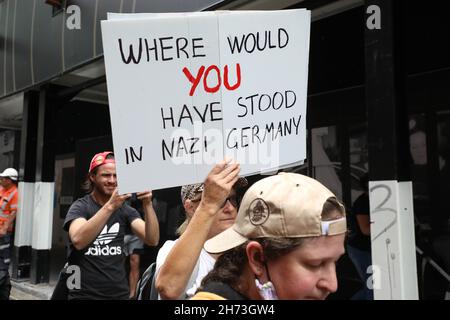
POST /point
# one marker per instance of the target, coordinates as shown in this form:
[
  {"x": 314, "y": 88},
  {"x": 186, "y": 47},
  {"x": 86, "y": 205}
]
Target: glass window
[
  {"x": 443, "y": 215},
  {"x": 326, "y": 160},
  {"x": 359, "y": 158},
  {"x": 6, "y": 149},
  {"x": 419, "y": 169}
]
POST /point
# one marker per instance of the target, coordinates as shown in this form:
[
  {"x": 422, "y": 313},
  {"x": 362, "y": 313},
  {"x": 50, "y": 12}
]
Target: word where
[{"x": 161, "y": 49}]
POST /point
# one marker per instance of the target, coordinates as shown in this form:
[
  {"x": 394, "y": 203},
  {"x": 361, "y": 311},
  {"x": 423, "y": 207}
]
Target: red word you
[{"x": 212, "y": 72}]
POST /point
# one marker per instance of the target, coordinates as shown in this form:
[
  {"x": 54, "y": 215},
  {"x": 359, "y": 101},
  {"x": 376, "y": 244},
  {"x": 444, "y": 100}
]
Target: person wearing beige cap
[
  {"x": 211, "y": 207},
  {"x": 288, "y": 235}
]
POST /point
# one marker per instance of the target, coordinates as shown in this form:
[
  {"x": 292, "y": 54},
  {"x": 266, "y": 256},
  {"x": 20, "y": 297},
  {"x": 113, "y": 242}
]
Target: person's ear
[
  {"x": 189, "y": 208},
  {"x": 256, "y": 260}
]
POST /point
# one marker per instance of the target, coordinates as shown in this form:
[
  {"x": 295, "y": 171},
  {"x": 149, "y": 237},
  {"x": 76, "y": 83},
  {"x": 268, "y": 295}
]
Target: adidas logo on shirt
[
  {"x": 106, "y": 236},
  {"x": 100, "y": 246}
]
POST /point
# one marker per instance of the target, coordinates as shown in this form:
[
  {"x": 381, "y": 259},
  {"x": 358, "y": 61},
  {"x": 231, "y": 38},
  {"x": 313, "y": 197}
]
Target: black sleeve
[
  {"x": 361, "y": 205},
  {"x": 78, "y": 209},
  {"x": 131, "y": 214}
]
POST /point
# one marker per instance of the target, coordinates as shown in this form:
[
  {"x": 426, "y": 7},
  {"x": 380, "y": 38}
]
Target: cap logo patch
[
  {"x": 258, "y": 212},
  {"x": 99, "y": 160}
]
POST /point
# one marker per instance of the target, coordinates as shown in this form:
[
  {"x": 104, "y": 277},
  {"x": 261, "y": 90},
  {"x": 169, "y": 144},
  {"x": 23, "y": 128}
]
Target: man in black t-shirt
[{"x": 97, "y": 224}]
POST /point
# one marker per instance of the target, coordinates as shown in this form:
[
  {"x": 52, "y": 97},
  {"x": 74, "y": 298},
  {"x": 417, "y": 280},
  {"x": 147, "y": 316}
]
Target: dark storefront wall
[
  {"x": 427, "y": 69},
  {"x": 338, "y": 150},
  {"x": 336, "y": 105},
  {"x": 336, "y": 120}
]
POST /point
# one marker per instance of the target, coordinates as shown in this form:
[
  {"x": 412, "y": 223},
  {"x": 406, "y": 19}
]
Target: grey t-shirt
[{"x": 101, "y": 264}]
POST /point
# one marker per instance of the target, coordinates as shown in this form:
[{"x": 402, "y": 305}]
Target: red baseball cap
[{"x": 100, "y": 158}]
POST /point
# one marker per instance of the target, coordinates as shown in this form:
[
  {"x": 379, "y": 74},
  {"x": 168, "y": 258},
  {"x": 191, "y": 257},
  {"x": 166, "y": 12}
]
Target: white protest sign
[
  {"x": 181, "y": 87},
  {"x": 265, "y": 119}
]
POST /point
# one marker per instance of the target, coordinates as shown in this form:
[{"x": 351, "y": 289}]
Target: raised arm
[
  {"x": 176, "y": 270},
  {"x": 82, "y": 232},
  {"x": 147, "y": 231}
]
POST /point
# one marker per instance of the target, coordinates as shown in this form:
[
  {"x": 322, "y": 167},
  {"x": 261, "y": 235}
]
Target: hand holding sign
[
  {"x": 145, "y": 197},
  {"x": 186, "y": 90},
  {"x": 117, "y": 200},
  {"x": 218, "y": 184}
]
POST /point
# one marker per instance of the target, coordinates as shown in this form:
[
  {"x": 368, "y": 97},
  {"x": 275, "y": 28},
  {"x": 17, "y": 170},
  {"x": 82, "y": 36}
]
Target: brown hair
[{"x": 183, "y": 226}]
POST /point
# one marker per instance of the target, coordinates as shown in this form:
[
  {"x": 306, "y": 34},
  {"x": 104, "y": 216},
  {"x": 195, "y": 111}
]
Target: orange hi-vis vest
[{"x": 8, "y": 205}]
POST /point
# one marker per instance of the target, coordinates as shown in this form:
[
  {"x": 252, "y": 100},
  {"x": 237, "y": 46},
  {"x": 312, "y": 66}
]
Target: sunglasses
[{"x": 233, "y": 200}]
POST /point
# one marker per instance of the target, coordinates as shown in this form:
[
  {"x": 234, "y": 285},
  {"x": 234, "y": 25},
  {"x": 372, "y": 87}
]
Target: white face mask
[{"x": 266, "y": 290}]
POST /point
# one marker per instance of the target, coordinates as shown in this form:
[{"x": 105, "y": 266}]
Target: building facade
[{"x": 378, "y": 103}]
